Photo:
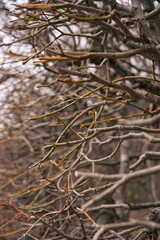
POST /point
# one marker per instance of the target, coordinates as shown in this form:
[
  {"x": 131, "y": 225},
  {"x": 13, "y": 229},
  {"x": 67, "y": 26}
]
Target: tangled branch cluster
[{"x": 80, "y": 127}]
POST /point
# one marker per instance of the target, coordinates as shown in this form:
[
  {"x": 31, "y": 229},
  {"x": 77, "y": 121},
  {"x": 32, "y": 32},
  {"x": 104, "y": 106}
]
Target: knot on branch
[{"x": 154, "y": 216}]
